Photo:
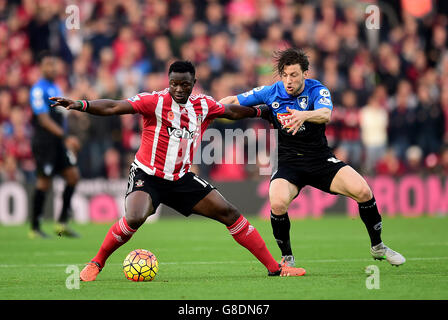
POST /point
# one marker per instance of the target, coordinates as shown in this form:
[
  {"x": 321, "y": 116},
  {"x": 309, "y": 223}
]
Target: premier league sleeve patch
[{"x": 322, "y": 99}]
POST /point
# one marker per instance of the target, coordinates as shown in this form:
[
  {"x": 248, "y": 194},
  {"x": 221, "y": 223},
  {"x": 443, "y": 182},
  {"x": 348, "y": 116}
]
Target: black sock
[
  {"x": 38, "y": 204},
  {"x": 66, "y": 200},
  {"x": 368, "y": 211},
  {"x": 280, "y": 227}
]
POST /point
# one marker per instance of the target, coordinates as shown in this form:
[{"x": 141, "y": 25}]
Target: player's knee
[
  {"x": 43, "y": 183},
  {"x": 228, "y": 215},
  {"x": 139, "y": 207},
  {"x": 364, "y": 193},
  {"x": 73, "y": 181},
  {"x": 278, "y": 206},
  {"x": 135, "y": 219},
  {"x": 72, "y": 178}
]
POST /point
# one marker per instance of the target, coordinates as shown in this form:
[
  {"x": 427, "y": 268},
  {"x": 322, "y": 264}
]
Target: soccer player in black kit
[
  {"x": 300, "y": 108},
  {"x": 53, "y": 150}
]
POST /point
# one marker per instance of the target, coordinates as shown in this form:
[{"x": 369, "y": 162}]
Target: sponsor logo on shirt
[
  {"x": 284, "y": 122},
  {"x": 324, "y": 93},
  {"x": 287, "y": 123},
  {"x": 248, "y": 93},
  {"x": 180, "y": 133}
]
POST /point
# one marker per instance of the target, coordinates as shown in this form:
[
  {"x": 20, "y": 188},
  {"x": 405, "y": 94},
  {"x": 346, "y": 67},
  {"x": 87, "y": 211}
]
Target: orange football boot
[
  {"x": 90, "y": 271},
  {"x": 292, "y": 272},
  {"x": 285, "y": 271}
]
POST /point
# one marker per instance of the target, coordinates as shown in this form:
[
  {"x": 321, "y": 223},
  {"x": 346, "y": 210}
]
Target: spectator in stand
[
  {"x": 161, "y": 53},
  {"x": 350, "y": 139},
  {"x": 102, "y": 35},
  {"x": 444, "y": 106},
  {"x": 405, "y": 94},
  {"x": 112, "y": 164},
  {"x": 402, "y": 126},
  {"x": 389, "y": 164},
  {"x": 178, "y": 34},
  {"x": 443, "y": 163},
  {"x": 437, "y": 45},
  {"x": 332, "y": 78},
  {"x": 414, "y": 160},
  {"x": 357, "y": 82},
  {"x": 5, "y": 111},
  {"x": 389, "y": 68},
  {"x": 430, "y": 124},
  {"x": 374, "y": 121},
  {"x": 215, "y": 18},
  {"x": 11, "y": 170}
]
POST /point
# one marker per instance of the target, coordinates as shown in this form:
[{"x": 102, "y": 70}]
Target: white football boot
[
  {"x": 288, "y": 261},
  {"x": 381, "y": 252}
]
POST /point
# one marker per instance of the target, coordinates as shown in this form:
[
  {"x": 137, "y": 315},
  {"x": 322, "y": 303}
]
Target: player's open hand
[
  {"x": 65, "y": 103},
  {"x": 294, "y": 121}
]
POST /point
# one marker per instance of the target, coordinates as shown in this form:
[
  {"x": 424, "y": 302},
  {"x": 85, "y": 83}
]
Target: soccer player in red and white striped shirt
[{"x": 173, "y": 123}]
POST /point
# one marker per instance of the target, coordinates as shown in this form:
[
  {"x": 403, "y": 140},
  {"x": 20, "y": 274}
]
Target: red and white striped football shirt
[{"x": 171, "y": 132}]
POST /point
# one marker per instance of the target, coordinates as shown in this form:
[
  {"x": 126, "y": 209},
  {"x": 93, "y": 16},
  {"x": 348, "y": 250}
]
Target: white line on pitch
[{"x": 221, "y": 262}]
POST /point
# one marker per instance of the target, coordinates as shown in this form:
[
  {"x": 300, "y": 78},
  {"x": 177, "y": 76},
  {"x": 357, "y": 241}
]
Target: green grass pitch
[{"x": 199, "y": 260}]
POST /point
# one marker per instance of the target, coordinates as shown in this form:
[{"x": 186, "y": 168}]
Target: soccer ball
[{"x": 140, "y": 265}]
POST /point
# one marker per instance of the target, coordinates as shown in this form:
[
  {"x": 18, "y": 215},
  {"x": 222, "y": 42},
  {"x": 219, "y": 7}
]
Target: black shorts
[
  {"x": 52, "y": 158},
  {"x": 319, "y": 176},
  {"x": 181, "y": 195}
]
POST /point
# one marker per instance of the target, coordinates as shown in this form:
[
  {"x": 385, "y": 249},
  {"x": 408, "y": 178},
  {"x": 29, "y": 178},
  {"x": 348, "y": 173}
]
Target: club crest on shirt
[
  {"x": 139, "y": 183},
  {"x": 303, "y": 102}
]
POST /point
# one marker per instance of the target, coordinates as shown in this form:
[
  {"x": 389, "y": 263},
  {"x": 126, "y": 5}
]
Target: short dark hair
[
  {"x": 44, "y": 54},
  {"x": 182, "y": 66},
  {"x": 289, "y": 57}
]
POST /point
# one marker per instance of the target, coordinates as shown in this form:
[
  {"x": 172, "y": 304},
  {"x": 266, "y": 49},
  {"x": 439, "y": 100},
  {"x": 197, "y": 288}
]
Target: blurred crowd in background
[{"x": 389, "y": 85}]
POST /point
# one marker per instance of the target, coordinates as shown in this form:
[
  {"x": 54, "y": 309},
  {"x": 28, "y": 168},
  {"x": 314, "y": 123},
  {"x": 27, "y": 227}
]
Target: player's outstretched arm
[
  {"x": 230, "y": 100},
  {"x": 236, "y": 112},
  {"x": 100, "y": 107}
]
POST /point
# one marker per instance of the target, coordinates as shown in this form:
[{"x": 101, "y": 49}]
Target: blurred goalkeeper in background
[{"x": 53, "y": 150}]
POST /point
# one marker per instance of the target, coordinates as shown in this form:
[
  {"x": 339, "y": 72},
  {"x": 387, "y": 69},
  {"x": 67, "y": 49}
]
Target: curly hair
[{"x": 289, "y": 57}]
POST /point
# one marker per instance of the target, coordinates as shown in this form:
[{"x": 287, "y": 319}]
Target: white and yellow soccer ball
[{"x": 140, "y": 265}]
